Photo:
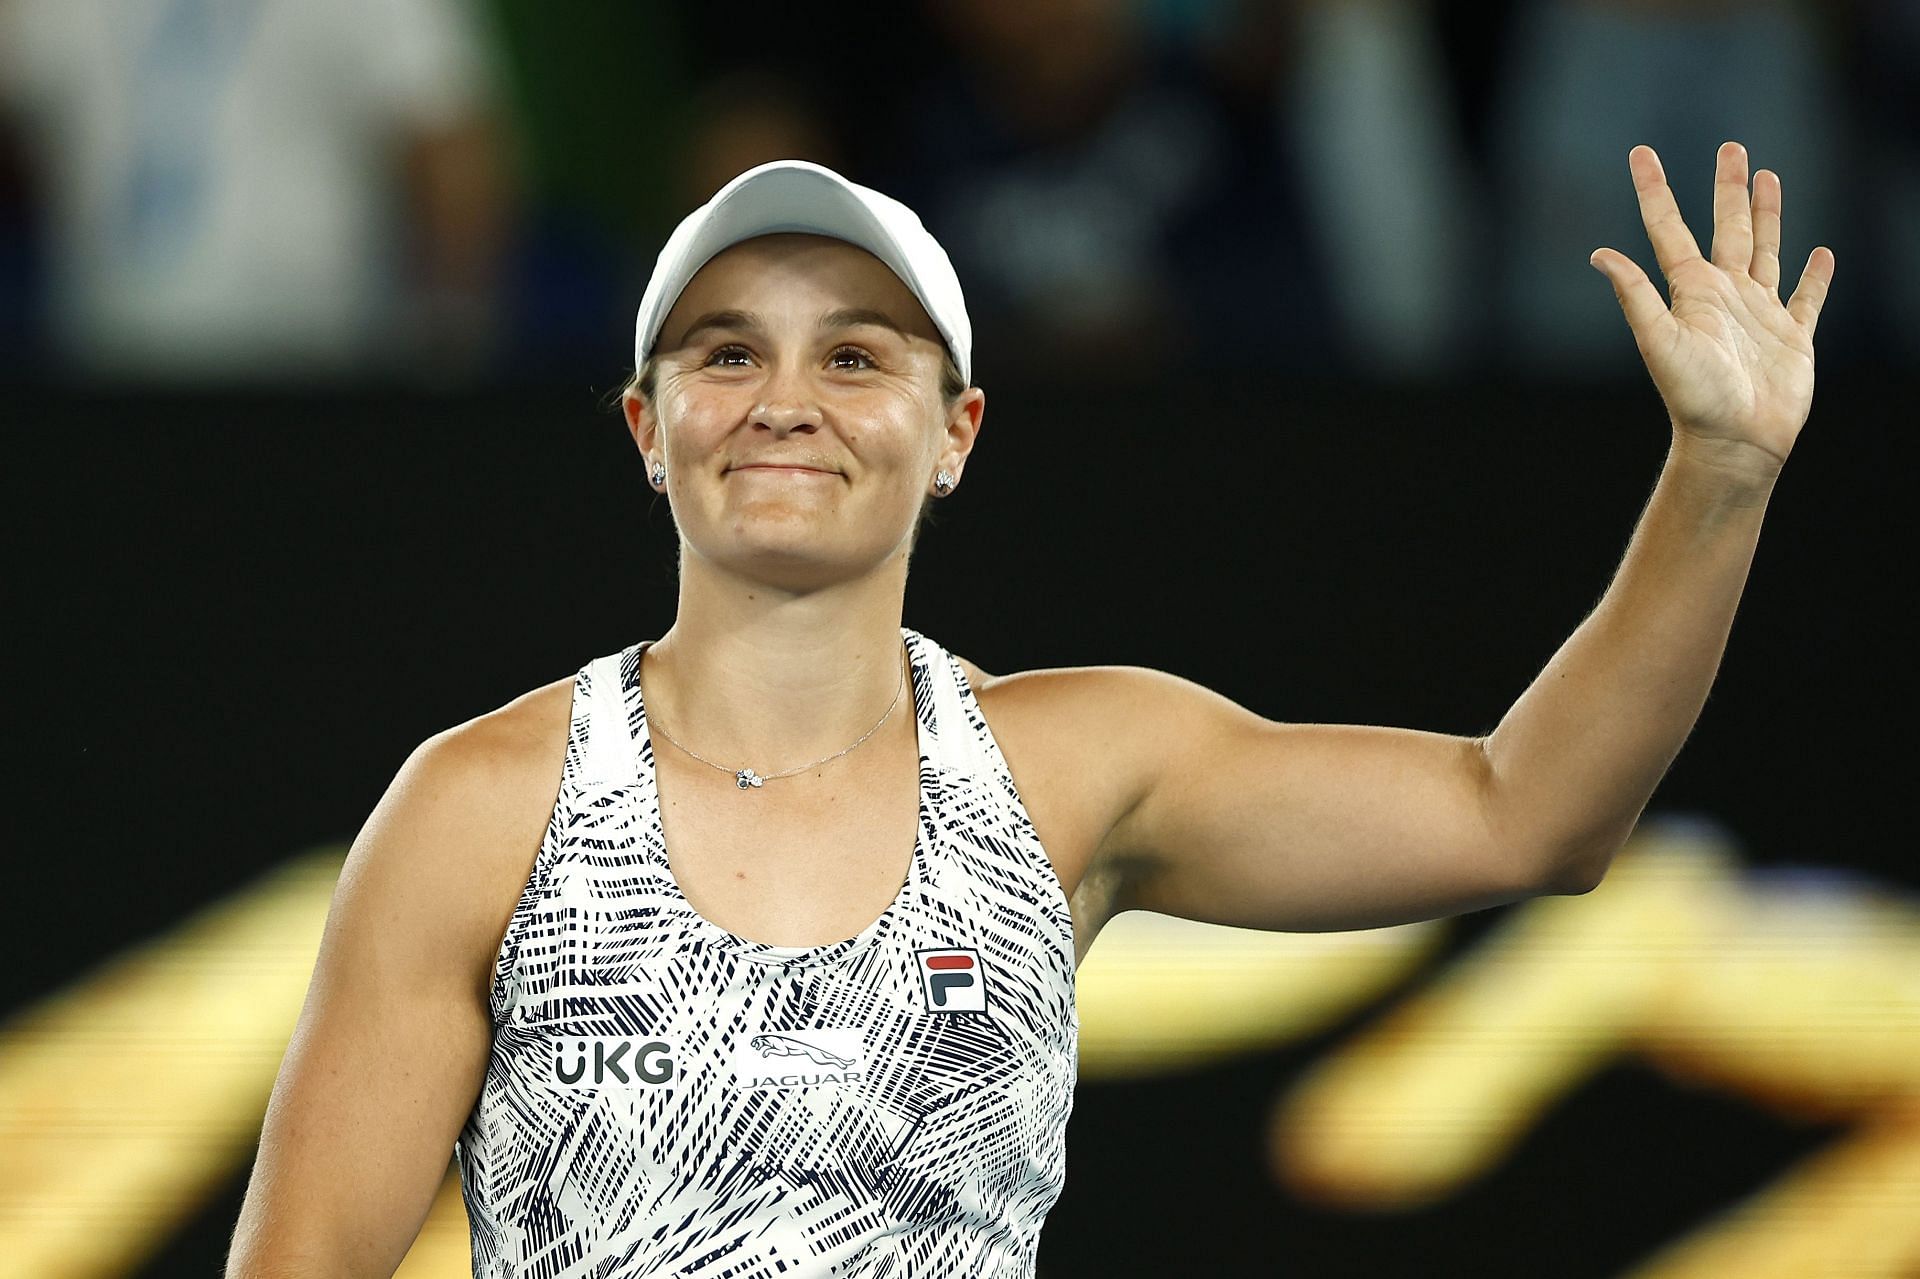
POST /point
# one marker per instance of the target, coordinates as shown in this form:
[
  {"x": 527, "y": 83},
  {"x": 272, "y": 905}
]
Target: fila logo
[
  {"x": 585, "y": 1061},
  {"x": 952, "y": 980}
]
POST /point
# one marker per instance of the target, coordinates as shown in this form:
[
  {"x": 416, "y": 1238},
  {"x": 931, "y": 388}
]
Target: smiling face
[{"x": 809, "y": 353}]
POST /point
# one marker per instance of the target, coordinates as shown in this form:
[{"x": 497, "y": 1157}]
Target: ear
[
  {"x": 641, "y": 423},
  {"x": 963, "y": 428}
]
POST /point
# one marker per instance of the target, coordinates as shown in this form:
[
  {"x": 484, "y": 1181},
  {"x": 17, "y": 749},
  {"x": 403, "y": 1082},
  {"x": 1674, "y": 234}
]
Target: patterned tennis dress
[{"x": 666, "y": 1098}]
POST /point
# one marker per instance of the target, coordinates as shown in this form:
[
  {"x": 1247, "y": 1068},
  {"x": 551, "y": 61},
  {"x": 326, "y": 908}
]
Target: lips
[{"x": 781, "y": 466}]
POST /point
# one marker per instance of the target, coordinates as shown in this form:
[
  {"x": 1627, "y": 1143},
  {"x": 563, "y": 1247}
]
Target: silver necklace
[{"x": 746, "y": 778}]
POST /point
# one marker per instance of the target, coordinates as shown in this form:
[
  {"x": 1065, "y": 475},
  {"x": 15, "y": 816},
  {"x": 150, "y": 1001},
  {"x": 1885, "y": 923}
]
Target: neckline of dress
[{"x": 919, "y": 677}]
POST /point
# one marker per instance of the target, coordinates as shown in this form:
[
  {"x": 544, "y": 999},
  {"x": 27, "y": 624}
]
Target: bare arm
[
  {"x": 1241, "y": 820},
  {"x": 1576, "y": 759},
  {"x": 1230, "y": 818},
  {"x": 1579, "y": 754},
  {"x": 392, "y": 1043},
  {"x": 1246, "y": 821}
]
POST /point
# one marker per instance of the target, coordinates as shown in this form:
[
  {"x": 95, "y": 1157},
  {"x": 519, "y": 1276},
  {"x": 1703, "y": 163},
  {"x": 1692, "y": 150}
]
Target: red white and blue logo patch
[{"x": 952, "y": 980}]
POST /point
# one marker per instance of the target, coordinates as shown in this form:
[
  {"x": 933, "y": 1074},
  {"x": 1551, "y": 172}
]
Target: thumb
[
  {"x": 1641, "y": 302},
  {"x": 1603, "y": 261}
]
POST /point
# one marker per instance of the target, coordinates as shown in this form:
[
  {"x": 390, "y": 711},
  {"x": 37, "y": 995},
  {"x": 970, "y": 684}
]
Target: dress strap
[
  {"x": 957, "y": 740},
  {"x": 609, "y": 754}
]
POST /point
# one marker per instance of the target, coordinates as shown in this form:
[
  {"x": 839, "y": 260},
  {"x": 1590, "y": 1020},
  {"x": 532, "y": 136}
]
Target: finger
[
  {"x": 1639, "y": 299},
  {"x": 1732, "y": 221},
  {"x": 1765, "y": 266},
  {"x": 1672, "y": 243},
  {"x": 1811, "y": 294}
]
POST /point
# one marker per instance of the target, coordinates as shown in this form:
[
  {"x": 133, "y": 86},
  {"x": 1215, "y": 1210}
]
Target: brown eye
[
  {"x": 855, "y": 352},
  {"x": 721, "y": 351}
]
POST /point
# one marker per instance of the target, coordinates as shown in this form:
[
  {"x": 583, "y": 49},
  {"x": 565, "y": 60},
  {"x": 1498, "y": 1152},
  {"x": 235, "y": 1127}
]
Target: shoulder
[
  {"x": 450, "y": 843},
  {"x": 1108, "y": 735},
  {"x": 1093, "y": 740},
  {"x": 498, "y": 773},
  {"x": 513, "y": 733},
  {"x": 1097, "y": 699},
  {"x": 975, "y": 676}
]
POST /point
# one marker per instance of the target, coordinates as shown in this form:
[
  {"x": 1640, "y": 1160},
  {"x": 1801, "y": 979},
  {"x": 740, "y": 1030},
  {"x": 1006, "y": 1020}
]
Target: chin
[{"x": 787, "y": 554}]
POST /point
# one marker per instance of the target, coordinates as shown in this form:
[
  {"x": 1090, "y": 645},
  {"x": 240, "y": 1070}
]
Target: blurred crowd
[{"x": 455, "y": 192}]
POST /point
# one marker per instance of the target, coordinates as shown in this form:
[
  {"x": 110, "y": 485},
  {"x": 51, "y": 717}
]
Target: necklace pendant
[{"x": 747, "y": 777}]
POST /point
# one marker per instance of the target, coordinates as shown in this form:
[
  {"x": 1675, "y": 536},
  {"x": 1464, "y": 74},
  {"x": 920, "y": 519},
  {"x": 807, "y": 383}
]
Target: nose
[{"x": 787, "y": 405}]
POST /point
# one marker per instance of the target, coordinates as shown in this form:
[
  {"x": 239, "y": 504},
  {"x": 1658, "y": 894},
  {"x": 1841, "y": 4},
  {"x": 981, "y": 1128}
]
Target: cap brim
[{"x": 788, "y": 196}]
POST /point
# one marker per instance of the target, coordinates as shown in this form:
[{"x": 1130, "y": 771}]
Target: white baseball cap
[{"x": 797, "y": 195}]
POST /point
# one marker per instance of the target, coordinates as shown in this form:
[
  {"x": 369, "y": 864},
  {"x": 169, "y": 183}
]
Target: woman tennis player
[{"x": 749, "y": 950}]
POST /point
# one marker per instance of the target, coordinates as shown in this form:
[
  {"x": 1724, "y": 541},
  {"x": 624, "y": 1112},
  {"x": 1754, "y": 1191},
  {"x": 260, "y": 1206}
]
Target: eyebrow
[{"x": 750, "y": 322}]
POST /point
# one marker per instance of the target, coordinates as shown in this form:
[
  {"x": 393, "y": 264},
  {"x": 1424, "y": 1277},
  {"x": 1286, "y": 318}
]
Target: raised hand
[{"x": 1733, "y": 364}]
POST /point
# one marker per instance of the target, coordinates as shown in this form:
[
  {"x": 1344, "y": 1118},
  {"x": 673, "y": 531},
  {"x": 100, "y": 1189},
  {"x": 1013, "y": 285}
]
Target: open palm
[{"x": 1733, "y": 364}]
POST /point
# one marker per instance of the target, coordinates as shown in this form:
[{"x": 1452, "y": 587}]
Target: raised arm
[{"x": 1236, "y": 819}]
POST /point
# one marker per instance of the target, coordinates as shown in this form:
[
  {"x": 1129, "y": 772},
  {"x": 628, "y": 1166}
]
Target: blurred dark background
[
  {"x": 1299, "y": 385},
  {"x": 460, "y": 194}
]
